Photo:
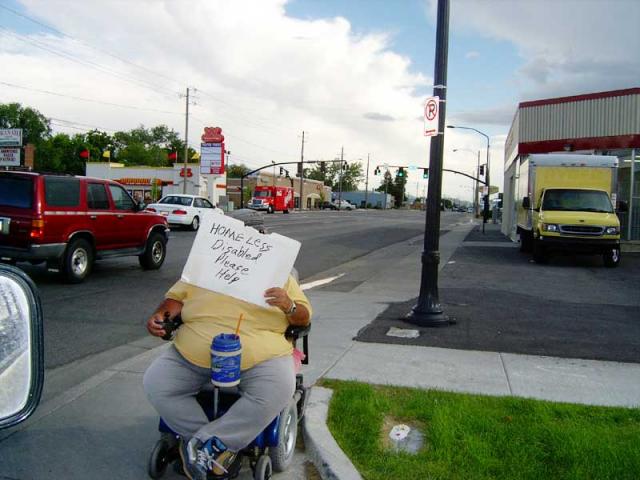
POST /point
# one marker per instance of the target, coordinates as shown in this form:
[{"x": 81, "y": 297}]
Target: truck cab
[{"x": 272, "y": 199}]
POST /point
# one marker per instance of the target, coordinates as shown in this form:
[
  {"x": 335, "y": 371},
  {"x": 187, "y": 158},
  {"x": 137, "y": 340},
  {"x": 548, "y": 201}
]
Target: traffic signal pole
[
  {"x": 428, "y": 311},
  {"x": 274, "y": 165}
]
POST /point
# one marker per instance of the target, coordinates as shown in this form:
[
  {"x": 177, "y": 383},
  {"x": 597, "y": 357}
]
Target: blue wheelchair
[{"x": 272, "y": 450}]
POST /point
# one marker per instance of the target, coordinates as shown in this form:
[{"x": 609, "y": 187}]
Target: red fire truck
[{"x": 272, "y": 199}]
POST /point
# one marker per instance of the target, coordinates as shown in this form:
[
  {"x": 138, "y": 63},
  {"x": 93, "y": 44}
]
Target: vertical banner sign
[
  {"x": 212, "y": 151},
  {"x": 431, "y": 115},
  {"x": 231, "y": 259}
]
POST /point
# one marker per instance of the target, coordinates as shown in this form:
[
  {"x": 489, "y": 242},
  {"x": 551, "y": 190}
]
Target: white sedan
[{"x": 184, "y": 210}]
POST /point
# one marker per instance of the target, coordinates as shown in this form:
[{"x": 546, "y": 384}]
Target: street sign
[
  {"x": 10, "y": 137},
  {"x": 9, "y": 157},
  {"x": 431, "y": 116}
]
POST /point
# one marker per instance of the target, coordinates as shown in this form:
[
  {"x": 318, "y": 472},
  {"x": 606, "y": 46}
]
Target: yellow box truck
[{"x": 566, "y": 202}]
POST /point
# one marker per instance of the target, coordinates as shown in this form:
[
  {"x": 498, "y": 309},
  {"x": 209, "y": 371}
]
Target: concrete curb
[{"x": 321, "y": 447}]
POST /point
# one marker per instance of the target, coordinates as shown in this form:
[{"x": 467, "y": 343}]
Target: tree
[
  {"x": 237, "y": 171},
  {"x": 351, "y": 176},
  {"x": 399, "y": 191},
  {"x": 394, "y": 187},
  {"x": 61, "y": 153},
  {"x": 35, "y": 126}
]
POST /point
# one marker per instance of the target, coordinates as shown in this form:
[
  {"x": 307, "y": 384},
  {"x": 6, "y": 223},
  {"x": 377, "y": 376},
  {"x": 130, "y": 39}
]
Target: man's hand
[
  {"x": 154, "y": 325},
  {"x": 277, "y": 297}
]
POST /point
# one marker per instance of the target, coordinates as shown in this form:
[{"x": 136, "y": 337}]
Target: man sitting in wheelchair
[{"x": 267, "y": 379}]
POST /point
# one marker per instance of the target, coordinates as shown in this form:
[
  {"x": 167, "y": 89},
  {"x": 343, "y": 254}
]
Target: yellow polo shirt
[{"x": 206, "y": 314}]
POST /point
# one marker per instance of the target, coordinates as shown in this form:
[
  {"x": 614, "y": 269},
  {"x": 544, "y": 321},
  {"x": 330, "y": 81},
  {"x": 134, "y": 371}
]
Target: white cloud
[
  {"x": 568, "y": 47},
  {"x": 472, "y": 55},
  {"x": 262, "y": 76}
]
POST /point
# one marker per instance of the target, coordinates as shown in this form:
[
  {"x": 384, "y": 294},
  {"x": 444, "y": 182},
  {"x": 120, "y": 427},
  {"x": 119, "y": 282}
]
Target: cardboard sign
[{"x": 229, "y": 258}]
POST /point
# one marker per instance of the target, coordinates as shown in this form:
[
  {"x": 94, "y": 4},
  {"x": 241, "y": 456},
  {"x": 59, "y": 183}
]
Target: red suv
[{"x": 71, "y": 221}]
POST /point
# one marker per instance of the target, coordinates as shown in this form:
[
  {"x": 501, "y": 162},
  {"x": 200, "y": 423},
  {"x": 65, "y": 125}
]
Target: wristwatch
[{"x": 292, "y": 309}]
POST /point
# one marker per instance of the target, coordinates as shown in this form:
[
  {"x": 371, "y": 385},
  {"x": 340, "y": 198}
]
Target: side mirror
[
  {"x": 622, "y": 206},
  {"x": 526, "y": 203},
  {"x": 21, "y": 347}
]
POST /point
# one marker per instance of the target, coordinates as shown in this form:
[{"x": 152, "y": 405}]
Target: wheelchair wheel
[
  {"x": 159, "y": 459},
  {"x": 263, "y": 469},
  {"x": 282, "y": 454}
]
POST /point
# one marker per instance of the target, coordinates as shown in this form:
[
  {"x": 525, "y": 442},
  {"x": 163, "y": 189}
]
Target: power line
[
  {"x": 59, "y": 32},
  {"x": 73, "y": 97},
  {"x": 89, "y": 63}
]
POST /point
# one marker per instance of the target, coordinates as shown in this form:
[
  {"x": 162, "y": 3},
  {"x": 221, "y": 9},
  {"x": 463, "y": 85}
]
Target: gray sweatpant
[{"x": 171, "y": 383}]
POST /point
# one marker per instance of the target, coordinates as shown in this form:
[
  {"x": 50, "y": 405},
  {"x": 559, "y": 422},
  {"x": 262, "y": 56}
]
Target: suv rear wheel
[
  {"x": 154, "y": 252},
  {"x": 78, "y": 260}
]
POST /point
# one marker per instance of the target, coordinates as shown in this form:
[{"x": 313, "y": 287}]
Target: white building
[{"x": 151, "y": 183}]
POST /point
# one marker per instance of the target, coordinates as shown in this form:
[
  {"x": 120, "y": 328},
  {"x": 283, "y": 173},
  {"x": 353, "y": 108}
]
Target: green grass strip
[{"x": 482, "y": 437}]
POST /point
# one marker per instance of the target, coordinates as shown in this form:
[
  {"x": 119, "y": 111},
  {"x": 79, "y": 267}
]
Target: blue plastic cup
[{"x": 226, "y": 352}]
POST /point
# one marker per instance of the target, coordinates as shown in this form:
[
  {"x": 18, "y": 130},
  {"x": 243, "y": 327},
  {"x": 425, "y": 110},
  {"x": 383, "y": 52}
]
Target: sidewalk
[{"x": 104, "y": 428}]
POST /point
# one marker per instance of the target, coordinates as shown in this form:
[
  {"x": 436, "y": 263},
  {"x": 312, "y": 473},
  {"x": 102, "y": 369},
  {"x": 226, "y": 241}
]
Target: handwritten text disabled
[{"x": 235, "y": 260}]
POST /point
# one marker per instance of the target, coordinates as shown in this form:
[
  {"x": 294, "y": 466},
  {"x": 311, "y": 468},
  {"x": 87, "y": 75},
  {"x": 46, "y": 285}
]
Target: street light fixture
[{"x": 486, "y": 197}]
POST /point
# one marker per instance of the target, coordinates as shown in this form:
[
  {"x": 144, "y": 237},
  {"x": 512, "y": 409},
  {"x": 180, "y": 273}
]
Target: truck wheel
[
  {"x": 285, "y": 211},
  {"x": 611, "y": 258},
  {"x": 539, "y": 252},
  {"x": 78, "y": 260},
  {"x": 270, "y": 209},
  {"x": 155, "y": 252}
]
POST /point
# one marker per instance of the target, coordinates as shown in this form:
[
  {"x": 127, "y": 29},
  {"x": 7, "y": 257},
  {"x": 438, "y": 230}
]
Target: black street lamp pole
[{"x": 428, "y": 312}]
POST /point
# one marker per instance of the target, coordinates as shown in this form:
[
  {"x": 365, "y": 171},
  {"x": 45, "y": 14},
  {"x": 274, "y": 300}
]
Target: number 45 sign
[{"x": 431, "y": 115}]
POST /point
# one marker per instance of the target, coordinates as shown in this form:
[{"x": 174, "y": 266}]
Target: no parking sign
[{"x": 431, "y": 116}]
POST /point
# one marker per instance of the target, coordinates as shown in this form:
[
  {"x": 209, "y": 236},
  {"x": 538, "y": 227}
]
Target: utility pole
[
  {"x": 186, "y": 144},
  {"x": 301, "y": 171},
  {"x": 366, "y": 185},
  {"x": 476, "y": 203},
  {"x": 340, "y": 189},
  {"x": 428, "y": 311},
  {"x": 386, "y": 184}
]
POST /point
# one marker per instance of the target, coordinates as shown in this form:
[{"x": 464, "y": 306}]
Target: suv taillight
[
  {"x": 179, "y": 212},
  {"x": 37, "y": 229}
]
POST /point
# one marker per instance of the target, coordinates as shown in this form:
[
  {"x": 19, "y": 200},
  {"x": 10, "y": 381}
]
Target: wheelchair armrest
[{"x": 294, "y": 332}]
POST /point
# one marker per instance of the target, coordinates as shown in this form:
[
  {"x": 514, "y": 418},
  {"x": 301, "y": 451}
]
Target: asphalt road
[{"x": 110, "y": 308}]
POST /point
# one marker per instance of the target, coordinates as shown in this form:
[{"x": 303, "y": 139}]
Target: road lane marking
[{"x": 317, "y": 283}]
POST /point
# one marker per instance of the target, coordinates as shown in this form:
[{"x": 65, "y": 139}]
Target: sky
[{"x": 350, "y": 74}]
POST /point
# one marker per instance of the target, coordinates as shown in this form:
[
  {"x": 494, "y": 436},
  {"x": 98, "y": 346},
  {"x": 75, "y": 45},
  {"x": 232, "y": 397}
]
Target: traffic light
[
  {"x": 376, "y": 171},
  {"x": 286, "y": 174},
  {"x": 323, "y": 167},
  {"x": 400, "y": 173},
  {"x": 425, "y": 173},
  {"x": 281, "y": 171},
  {"x": 500, "y": 198},
  {"x": 481, "y": 169},
  {"x": 345, "y": 165},
  {"x": 299, "y": 169}
]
